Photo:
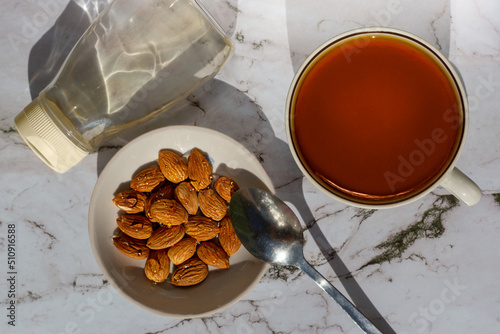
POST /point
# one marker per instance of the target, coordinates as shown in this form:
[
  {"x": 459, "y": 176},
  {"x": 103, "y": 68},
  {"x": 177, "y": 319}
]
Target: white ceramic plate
[{"x": 222, "y": 287}]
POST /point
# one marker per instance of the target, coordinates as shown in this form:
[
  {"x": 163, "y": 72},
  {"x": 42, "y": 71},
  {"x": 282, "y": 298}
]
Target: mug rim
[{"x": 413, "y": 39}]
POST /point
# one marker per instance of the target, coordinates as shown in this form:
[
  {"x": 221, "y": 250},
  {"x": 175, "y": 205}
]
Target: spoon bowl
[
  {"x": 271, "y": 232},
  {"x": 279, "y": 242}
]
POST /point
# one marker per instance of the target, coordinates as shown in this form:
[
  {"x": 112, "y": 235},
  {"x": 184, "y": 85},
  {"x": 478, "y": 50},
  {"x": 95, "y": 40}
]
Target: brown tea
[{"x": 376, "y": 118}]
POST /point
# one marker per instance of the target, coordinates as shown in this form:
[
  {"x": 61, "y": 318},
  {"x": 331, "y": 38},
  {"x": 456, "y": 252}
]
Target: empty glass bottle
[{"x": 136, "y": 60}]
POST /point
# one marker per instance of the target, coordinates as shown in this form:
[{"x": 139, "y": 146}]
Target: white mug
[{"x": 448, "y": 175}]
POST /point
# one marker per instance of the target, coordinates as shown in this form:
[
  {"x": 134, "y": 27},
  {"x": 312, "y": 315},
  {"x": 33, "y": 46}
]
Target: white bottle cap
[{"x": 46, "y": 139}]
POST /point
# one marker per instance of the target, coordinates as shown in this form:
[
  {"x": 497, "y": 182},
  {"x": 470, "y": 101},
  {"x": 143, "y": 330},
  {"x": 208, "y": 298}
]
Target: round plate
[{"x": 222, "y": 287}]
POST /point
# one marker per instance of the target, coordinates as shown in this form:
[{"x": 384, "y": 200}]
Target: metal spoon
[{"x": 271, "y": 232}]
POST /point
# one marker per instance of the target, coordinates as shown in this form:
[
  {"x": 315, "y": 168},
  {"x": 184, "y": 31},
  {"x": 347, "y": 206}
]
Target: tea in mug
[{"x": 376, "y": 117}]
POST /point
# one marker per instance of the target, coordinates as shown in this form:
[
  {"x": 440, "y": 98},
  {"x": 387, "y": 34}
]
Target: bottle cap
[{"x": 46, "y": 139}]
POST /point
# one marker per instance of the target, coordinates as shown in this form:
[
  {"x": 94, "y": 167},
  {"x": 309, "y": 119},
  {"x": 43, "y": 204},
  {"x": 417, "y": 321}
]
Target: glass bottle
[{"x": 136, "y": 60}]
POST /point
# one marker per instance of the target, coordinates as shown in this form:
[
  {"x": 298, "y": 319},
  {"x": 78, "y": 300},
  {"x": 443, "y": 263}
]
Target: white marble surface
[{"x": 429, "y": 267}]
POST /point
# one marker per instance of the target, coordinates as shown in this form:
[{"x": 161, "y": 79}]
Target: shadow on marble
[{"x": 310, "y": 24}]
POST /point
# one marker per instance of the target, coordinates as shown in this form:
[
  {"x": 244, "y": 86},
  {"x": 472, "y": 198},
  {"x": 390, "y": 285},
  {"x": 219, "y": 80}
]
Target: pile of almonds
[{"x": 174, "y": 213}]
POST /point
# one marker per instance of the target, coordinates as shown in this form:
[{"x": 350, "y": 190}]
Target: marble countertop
[{"x": 428, "y": 267}]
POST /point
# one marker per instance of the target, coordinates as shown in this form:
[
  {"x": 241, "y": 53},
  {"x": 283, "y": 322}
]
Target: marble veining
[{"x": 428, "y": 267}]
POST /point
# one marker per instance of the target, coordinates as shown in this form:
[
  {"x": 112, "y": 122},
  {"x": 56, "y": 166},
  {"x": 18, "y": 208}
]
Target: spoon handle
[{"x": 344, "y": 303}]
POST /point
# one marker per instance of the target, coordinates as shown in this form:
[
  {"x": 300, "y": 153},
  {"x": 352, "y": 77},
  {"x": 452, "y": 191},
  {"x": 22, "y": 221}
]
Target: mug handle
[{"x": 462, "y": 187}]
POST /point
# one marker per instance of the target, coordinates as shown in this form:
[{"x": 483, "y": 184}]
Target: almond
[
  {"x": 173, "y": 167},
  {"x": 182, "y": 250},
  {"x": 164, "y": 192},
  {"x": 131, "y": 247},
  {"x": 130, "y": 201},
  {"x": 225, "y": 187},
  {"x": 147, "y": 180},
  {"x": 135, "y": 225},
  {"x": 201, "y": 228},
  {"x": 227, "y": 237},
  {"x": 213, "y": 255},
  {"x": 190, "y": 272},
  {"x": 164, "y": 237},
  {"x": 199, "y": 170},
  {"x": 211, "y": 204},
  {"x": 168, "y": 212},
  {"x": 185, "y": 194},
  {"x": 157, "y": 266}
]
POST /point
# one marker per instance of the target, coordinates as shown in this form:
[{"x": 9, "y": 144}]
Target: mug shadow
[{"x": 216, "y": 105}]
